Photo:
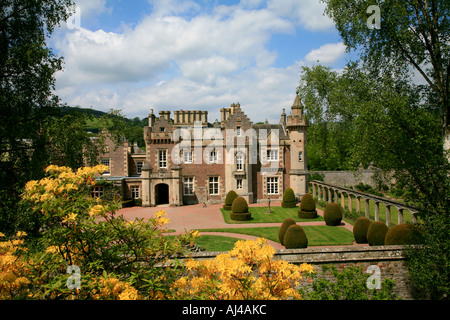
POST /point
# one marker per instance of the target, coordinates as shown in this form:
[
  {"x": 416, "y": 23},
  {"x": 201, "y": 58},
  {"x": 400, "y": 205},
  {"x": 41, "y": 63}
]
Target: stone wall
[
  {"x": 349, "y": 178},
  {"x": 390, "y": 260}
]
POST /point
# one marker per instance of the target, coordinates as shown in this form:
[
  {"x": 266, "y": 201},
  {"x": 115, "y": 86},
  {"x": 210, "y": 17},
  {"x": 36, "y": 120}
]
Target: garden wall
[
  {"x": 348, "y": 178},
  {"x": 390, "y": 260}
]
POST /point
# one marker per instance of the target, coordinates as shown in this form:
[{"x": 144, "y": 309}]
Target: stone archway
[{"x": 161, "y": 194}]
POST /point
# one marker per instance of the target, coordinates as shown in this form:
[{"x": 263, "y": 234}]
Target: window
[
  {"x": 135, "y": 192},
  {"x": 106, "y": 162},
  {"x": 239, "y": 184},
  {"x": 239, "y": 162},
  {"x": 213, "y": 156},
  {"x": 272, "y": 185},
  {"x": 162, "y": 163},
  {"x": 189, "y": 186},
  {"x": 300, "y": 156},
  {"x": 139, "y": 165},
  {"x": 238, "y": 131},
  {"x": 187, "y": 156},
  {"x": 213, "y": 185},
  {"x": 162, "y": 129},
  {"x": 272, "y": 155},
  {"x": 97, "y": 192}
]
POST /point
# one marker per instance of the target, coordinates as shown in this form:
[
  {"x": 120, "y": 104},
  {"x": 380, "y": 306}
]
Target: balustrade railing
[{"x": 327, "y": 192}]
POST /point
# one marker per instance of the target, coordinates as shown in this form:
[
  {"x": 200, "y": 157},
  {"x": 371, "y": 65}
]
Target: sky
[{"x": 167, "y": 55}]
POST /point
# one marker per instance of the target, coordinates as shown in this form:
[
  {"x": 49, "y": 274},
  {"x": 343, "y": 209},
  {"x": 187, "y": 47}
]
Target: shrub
[
  {"x": 119, "y": 259},
  {"x": 247, "y": 272},
  {"x": 231, "y": 195},
  {"x": 239, "y": 205},
  {"x": 284, "y": 226},
  {"x": 307, "y": 208},
  {"x": 348, "y": 283},
  {"x": 377, "y": 233},
  {"x": 360, "y": 229},
  {"x": 332, "y": 214},
  {"x": 404, "y": 233},
  {"x": 239, "y": 210},
  {"x": 295, "y": 237},
  {"x": 289, "y": 200}
]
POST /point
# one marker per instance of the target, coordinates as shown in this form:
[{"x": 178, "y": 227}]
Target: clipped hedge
[
  {"x": 239, "y": 210},
  {"x": 284, "y": 226},
  {"x": 231, "y": 195},
  {"x": 295, "y": 238},
  {"x": 332, "y": 214},
  {"x": 360, "y": 229},
  {"x": 401, "y": 234},
  {"x": 307, "y": 207},
  {"x": 289, "y": 200},
  {"x": 376, "y": 233}
]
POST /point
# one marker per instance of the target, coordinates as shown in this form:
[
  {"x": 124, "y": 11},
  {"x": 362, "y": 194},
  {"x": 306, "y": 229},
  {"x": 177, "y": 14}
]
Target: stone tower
[{"x": 296, "y": 128}]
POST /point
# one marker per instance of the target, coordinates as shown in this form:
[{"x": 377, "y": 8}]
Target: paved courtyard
[{"x": 194, "y": 217}]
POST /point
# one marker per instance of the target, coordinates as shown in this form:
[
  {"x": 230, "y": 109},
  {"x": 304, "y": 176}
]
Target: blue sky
[{"x": 193, "y": 55}]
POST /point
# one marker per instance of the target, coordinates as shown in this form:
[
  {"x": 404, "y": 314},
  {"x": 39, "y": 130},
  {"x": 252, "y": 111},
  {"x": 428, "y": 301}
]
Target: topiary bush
[
  {"x": 231, "y": 195},
  {"x": 239, "y": 210},
  {"x": 284, "y": 226},
  {"x": 360, "y": 229},
  {"x": 332, "y": 214},
  {"x": 307, "y": 207},
  {"x": 289, "y": 200},
  {"x": 295, "y": 237},
  {"x": 376, "y": 233},
  {"x": 401, "y": 234}
]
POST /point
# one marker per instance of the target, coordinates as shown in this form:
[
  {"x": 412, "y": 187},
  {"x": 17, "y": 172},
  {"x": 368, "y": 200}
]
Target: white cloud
[
  {"x": 308, "y": 13},
  {"x": 205, "y": 61},
  {"x": 91, "y": 7},
  {"x": 326, "y": 54}
]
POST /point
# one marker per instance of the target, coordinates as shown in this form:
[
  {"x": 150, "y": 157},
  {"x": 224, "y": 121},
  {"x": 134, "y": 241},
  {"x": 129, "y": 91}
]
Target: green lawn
[
  {"x": 216, "y": 243},
  {"x": 260, "y": 215},
  {"x": 317, "y": 235}
]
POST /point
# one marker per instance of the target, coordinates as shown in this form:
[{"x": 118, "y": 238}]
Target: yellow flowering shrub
[
  {"x": 246, "y": 272},
  {"x": 118, "y": 259}
]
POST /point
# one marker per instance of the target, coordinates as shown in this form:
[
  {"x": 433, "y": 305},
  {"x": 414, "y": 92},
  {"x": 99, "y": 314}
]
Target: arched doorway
[{"x": 161, "y": 194}]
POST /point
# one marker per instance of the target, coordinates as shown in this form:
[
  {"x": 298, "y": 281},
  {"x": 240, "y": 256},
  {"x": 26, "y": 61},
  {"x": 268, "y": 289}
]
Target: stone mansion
[{"x": 188, "y": 160}]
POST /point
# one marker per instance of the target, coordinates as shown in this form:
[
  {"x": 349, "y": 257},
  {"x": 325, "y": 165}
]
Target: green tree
[
  {"x": 395, "y": 129},
  {"x": 27, "y": 66},
  {"x": 414, "y": 35}
]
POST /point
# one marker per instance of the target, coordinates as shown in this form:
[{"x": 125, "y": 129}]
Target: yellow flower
[
  {"x": 70, "y": 217},
  {"x": 21, "y": 234},
  {"x": 96, "y": 210},
  {"x": 52, "y": 249}
]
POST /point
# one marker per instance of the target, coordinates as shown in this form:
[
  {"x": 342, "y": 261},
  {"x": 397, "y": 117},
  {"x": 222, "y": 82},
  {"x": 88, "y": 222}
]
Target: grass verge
[{"x": 317, "y": 235}]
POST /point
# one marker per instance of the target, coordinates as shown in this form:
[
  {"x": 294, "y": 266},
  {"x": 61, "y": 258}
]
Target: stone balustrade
[{"x": 327, "y": 192}]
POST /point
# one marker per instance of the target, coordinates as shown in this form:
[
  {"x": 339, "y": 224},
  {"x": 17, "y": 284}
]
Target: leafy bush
[
  {"x": 295, "y": 237},
  {"x": 119, "y": 259},
  {"x": 348, "y": 284},
  {"x": 367, "y": 189},
  {"x": 284, "y": 226},
  {"x": 231, "y": 195},
  {"x": 376, "y": 233},
  {"x": 289, "y": 200},
  {"x": 307, "y": 207},
  {"x": 332, "y": 214},
  {"x": 360, "y": 229}
]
